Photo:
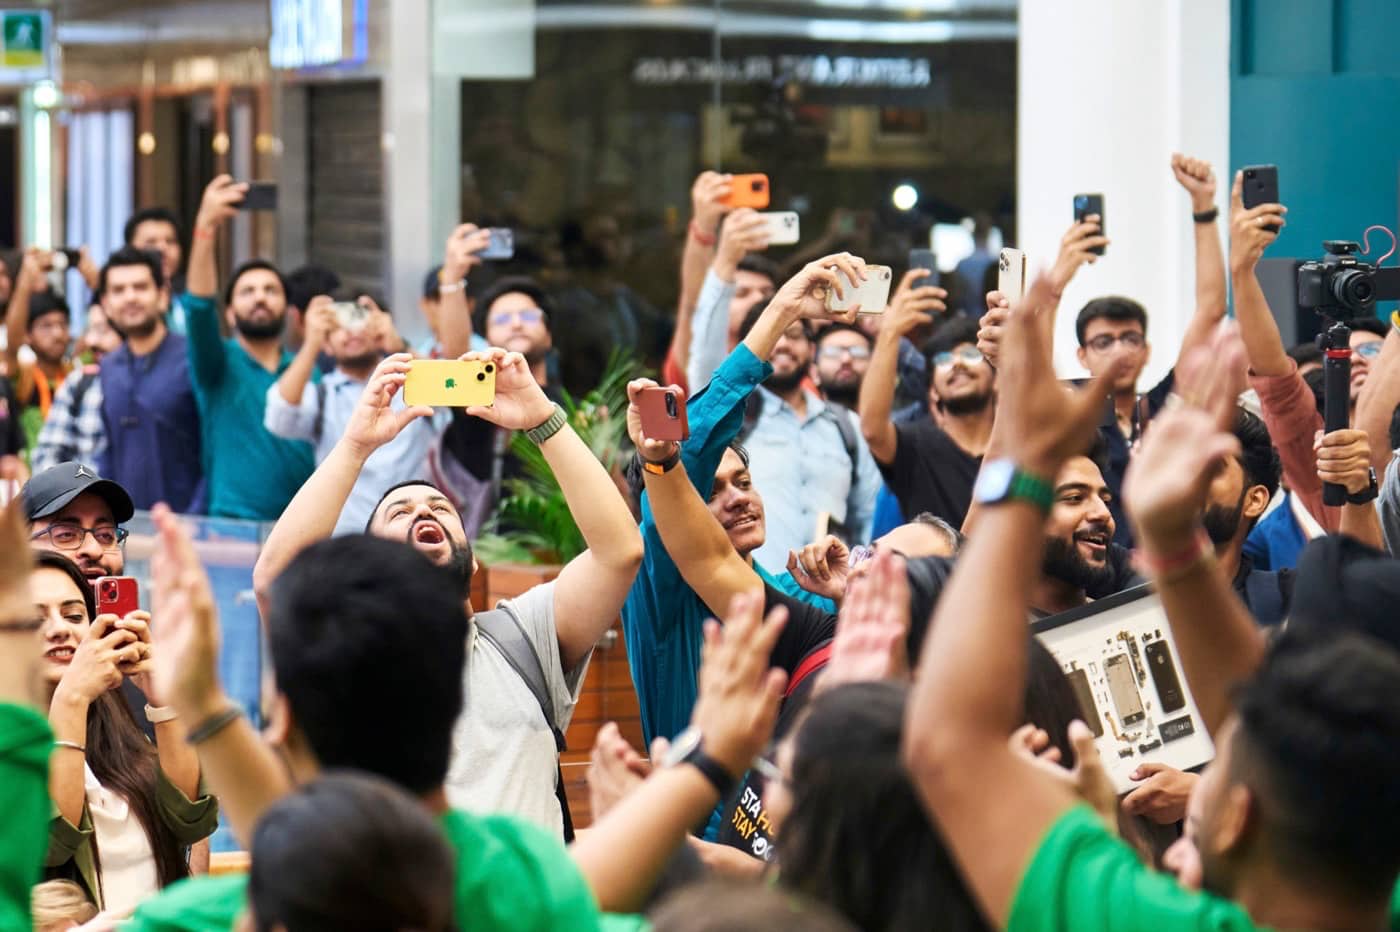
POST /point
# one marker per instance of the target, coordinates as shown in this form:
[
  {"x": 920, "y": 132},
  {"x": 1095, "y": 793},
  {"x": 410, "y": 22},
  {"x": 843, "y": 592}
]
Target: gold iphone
[{"x": 450, "y": 383}]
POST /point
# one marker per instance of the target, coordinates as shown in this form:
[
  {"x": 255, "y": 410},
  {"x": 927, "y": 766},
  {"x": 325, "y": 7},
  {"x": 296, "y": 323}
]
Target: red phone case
[
  {"x": 117, "y": 595},
  {"x": 659, "y": 422}
]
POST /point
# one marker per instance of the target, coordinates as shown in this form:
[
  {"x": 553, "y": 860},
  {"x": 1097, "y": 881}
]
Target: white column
[{"x": 1108, "y": 90}]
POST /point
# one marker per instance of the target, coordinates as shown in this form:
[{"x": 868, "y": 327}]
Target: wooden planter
[{"x": 608, "y": 694}]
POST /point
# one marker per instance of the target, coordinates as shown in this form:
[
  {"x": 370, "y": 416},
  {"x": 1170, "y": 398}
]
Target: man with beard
[
  {"x": 252, "y": 474},
  {"x": 300, "y": 410},
  {"x": 930, "y": 464},
  {"x": 137, "y": 421},
  {"x": 807, "y": 455},
  {"x": 514, "y": 314},
  {"x": 504, "y": 756},
  {"x": 843, "y": 356}
]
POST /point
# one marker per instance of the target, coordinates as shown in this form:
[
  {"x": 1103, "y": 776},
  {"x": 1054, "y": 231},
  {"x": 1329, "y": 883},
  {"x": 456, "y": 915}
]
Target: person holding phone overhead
[{"x": 124, "y": 810}]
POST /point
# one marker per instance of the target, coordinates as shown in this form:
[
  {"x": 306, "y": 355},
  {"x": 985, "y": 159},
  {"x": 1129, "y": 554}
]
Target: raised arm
[
  {"x": 218, "y": 206},
  {"x": 313, "y": 512},
  {"x": 1196, "y": 177},
  {"x": 1344, "y": 457},
  {"x": 967, "y": 698},
  {"x": 1165, "y": 493},
  {"x": 912, "y": 306},
  {"x": 460, "y": 258},
  {"x": 320, "y": 322},
  {"x": 706, "y": 209},
  {"x": 1249, "y": 237},
  {"x": 1380, "y": 396},
  {"x": 744, "y": 231},
  {"x": 623, "y": 854},
  {"x": 590, "y": 590},
  {"x": 30, "y": 279},
  {"x": 240, "y": 769}
]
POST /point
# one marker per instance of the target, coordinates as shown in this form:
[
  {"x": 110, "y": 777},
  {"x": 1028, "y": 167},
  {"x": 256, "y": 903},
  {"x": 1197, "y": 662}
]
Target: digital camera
[{"x": 1340, "y": 285}]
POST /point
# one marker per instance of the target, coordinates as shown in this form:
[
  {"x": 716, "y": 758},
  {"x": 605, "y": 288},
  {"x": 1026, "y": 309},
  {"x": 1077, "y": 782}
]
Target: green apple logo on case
[{"x": 451, "y": 383}]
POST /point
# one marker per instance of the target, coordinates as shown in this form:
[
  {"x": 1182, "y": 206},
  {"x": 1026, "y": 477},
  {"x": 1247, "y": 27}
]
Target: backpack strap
[
  {"x": 809, "y": 665},
  {"x": 503, "y": 629},
  {"x": 847, "y": 430}
]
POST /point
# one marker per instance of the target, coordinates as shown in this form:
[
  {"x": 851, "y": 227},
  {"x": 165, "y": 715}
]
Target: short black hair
[
  {"x": 636, "y": 483},
  {"x": 761, "y": 265},
  {"x": 307, "y": 281},
  {"x": 254, "y": 265},
  {"x": 950, "y": 334},
  {"x": 1320, "y": 710},
  {"x": 150, "y": 215},
  {"x": 1112, "y": 307},
  {"x": 841, "y": 327},
  {"x": 1370, "y": 325},
  {"x": 394, "y": 488},
  {"x": 44, "y": 303},
  {"x": 1258, "y": 458},
  {"x": 129, "y": 256},
  {"x": 513, "y": 284},
  {"x": 368, "y": 641},
  {"x": 347, "y": 851},
  {"x": 1305, "y": 352}
]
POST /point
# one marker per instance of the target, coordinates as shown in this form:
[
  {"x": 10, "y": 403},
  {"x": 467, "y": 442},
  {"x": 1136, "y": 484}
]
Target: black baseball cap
[{"x": 51, "y": 491}]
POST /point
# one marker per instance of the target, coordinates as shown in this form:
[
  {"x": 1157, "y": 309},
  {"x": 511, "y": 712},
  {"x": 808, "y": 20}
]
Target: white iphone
[
  {"x": 783, "y": 228},
  {"x": 1011, "y": 274},
  {"x": 872, "y": 295}
]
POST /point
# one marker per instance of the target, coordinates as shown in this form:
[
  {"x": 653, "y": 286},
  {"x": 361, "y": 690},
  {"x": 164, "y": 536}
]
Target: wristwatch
[
  {"x": 1206, "y": 216},
  {"x": 1366, "y": 495},
  {"x": 551, "y": 426},
  {"x": 689, "y": 748},
  {"x": 1001, "y": 481},
  {"x": 662, "y": 467}
]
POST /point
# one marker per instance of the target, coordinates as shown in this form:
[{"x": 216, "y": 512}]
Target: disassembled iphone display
[{"x": 1126, "y": 674}]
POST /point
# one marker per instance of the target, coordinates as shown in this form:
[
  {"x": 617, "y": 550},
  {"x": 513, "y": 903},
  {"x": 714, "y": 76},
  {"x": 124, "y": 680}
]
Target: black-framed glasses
[
  {"x": 1104, "y": 341},
  {"x": 71, "y": 536}
]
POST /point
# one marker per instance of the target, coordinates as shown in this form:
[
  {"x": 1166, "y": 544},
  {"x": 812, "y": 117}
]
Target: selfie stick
[{"x": 1336, "y": 394}]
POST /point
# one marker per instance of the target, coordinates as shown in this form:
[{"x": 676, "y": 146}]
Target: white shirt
[{"x": 128, "y": 863}]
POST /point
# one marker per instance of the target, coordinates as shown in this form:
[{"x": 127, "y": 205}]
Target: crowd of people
[{"x": 873, "y": 502}]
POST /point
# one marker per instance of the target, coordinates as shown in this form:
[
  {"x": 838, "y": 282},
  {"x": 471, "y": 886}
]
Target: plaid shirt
[{"x": 73, "y": 431}]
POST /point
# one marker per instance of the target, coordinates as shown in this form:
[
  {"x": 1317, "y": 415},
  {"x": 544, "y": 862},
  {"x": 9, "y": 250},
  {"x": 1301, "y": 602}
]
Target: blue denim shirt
[{"x": 663, "y": 618}]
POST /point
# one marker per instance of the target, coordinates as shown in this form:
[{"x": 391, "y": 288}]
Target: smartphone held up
[
  {"x": 870, "y": 296},
  {"x": 663, "y": 414},
  {"x": 450, "y": 383},
  {"x": 117, "y": 595},
  {"x": 1086, "y": 205}
]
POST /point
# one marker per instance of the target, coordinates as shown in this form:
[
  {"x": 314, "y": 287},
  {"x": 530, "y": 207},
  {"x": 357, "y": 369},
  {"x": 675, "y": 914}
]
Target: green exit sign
[{"x": 25, "y": 39}]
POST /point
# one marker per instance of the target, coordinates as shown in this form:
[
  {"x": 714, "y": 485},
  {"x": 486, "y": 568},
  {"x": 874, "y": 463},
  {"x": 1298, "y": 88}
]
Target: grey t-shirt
[{"x": 503, "y": 753}]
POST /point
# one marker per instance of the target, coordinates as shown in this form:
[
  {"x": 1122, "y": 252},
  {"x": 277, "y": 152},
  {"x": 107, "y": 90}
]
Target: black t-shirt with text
[{"x": 930, "y": 472}]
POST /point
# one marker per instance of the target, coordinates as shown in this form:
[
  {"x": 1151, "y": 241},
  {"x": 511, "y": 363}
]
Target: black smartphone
[
  {"x": 1086, "y": 204},
  {"x": 1159, "y": 661},
  {"x": 1088, "y": 708},
  {"x": 72, "y": 254},
  {"x": 262, "y": 195},
  {"x": 1261, "y": 187},
  {"x": 924, "y": 259}
]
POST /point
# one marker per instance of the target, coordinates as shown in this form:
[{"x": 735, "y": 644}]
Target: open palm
[
  {"x": 520, "y": 403},
  {"x": 186, "y": 669}
]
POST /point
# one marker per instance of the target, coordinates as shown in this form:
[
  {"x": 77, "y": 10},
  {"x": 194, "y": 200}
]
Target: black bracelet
[
  {"x": 662, "y": 467},
  {"x": 1366, "y": 495},
  {"x": 214, "y": 724},
  {"x": 1206, "y": 216}
]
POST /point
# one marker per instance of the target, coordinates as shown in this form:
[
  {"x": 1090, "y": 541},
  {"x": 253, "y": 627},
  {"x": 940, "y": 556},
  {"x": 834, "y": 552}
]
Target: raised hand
[
  {"x": 139, "y": 624},
  {"x": 1168, "y": 480},
  {"x": 1344, "y": 458},
  {"x": 1253, "y": 230},
  {"x": 1075, "y": 250},
  {"x": 461, "y": 255},
  {"x": 654, "y": 451},
  {"x": 219, "y": 203},
  {"x": 20, "y": 643},
  {"x": 374, "y": 422},
  {"x": 744, "y": 231},
  {"x": 520, "y": 403},
  {"x": 321, "y": 322},
  {"x": 1162, "y": 795},
  {"x": 1044, "y": 423},
  {"x": 707, "y": 196},
  {"x": 822, "y": 567},
  {"x": 873, "y": 627},
  {"x": 614, "y": 769},
  {"x": 804, "y": 295},
  {"x": 1196, "y": 177},
  {"x": 992, "y": 326},
  {"x": 186, "y": 671},
  {"x": 913, "y": 305},
  {"x": 1088, "y": 778},
  {"x": 739, "y": 694},
  {"x": 96, "y": 665}
]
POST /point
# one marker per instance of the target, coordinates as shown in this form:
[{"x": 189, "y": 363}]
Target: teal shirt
[
  {"x": 663, "y": 619},
  {"x": 251, "y": 473}
]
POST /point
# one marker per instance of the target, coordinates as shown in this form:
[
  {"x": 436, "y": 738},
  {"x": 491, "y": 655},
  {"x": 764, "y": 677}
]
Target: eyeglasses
[
  {"x": 836, "y": 352},
  {"x": 1104, "y": 341},
  {"x": 967, "y": 354},
  {"x": 1370, "y": 349},
  {"x": 526, "y": 315},
  {"x": 71, "y": 536}
]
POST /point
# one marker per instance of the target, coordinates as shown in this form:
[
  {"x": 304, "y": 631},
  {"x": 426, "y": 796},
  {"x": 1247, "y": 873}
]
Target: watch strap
[
  {"x": 1366, "y": 495},
  {"x": 662, "y": 467},
  {"x": 1026, "y": 487},
  {"x": 158, "y": 714},
  {"x": 1206, "y": 216},
  {"x": 551, "y": 426},
  {"x": 722, "y": 780}
]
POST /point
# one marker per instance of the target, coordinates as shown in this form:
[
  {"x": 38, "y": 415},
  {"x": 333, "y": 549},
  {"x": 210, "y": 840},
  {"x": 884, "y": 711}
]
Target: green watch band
[
  {"x": 1033, "y": 489},
  {"x": 1002, "y": 481},
  {"x": 552, "y": 425}
]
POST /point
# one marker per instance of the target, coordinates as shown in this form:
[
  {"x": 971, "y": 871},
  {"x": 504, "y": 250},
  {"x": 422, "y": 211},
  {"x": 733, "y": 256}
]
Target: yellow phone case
[{"x": 450, "y": 383}]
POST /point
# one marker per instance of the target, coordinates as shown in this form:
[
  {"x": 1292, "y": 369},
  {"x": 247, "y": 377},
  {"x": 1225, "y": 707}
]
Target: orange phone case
[
  {"x": 748, "y": 191},
  {"x": 450, "y": 383},
  {"x": 663, "y": 414}
]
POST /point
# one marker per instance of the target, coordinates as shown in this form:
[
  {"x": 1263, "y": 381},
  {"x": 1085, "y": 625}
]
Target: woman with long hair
[{"x": 123, "y": 809}]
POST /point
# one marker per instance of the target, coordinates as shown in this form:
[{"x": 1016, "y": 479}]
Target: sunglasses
[{"x": 947, "y": 357}]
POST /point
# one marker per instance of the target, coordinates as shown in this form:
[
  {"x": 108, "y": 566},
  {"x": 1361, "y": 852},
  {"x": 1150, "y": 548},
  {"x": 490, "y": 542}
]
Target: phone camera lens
[
  {"x": 481, "y": 376},
  {"x": 490, "y": 368},
  {"x": 670, "y": 405},
  {"x": 1249, "y": 173},
  {"x": 757, "y": 185}
]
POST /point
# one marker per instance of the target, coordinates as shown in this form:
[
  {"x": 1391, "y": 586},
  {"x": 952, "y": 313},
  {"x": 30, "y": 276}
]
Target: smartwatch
[
  {"x": 1366, "y": 495},
  {"x": 689, "y": 748},
  {"x": 1001, "y": 481}
]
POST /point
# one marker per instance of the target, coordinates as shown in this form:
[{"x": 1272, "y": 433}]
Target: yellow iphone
[{"x": 450, "y": 383}]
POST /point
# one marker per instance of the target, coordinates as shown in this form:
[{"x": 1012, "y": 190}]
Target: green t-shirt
[
  {"x": 510, "y": 876},
  {"x": 25, "y": 743}
]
